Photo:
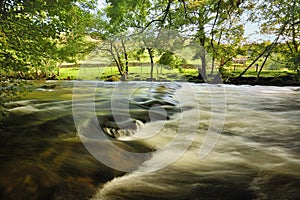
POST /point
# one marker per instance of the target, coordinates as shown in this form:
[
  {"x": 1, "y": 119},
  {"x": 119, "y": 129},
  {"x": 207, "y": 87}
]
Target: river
[{"x": 139, "y": 140}]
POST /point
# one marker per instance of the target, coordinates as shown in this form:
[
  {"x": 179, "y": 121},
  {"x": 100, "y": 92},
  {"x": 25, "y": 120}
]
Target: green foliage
[
  {"x": 294, "y": 62},
  {"x": 138, "y": 54},
  {"x": 37, "y": 35},
  {"x": 31, "y": 31},
  {"x": 167, "y": 58},
  {"x": 273, "y": 65},
  {"x": 171, "y": 60}
]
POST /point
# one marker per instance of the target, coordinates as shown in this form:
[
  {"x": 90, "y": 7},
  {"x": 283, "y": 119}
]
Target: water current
[{"x": 139, "y": 140}]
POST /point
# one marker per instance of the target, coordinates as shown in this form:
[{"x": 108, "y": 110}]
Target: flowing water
[{"x": 138, "y": 140}]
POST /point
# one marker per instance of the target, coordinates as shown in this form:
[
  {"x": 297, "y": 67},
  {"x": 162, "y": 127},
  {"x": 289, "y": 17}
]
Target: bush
[
  {"x": 171, "y": 60},
  {"x": 274, "y": 66}
]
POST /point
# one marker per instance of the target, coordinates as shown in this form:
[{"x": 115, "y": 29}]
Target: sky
[{"x": 253, "y": 35}]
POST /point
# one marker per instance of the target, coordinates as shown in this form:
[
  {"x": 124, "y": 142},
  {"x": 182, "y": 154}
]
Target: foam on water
[{"x": 256, "y": 157}]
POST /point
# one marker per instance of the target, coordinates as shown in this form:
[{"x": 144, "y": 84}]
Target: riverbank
[
  {"x": 271, "y": 81},
  {"x": 284, "y": 80},
  {"x": 163, "y": 74}
]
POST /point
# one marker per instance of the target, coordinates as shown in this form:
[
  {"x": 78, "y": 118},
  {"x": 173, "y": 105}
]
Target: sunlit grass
[
  {"x": 135, "y": 72},
  {"x": 141, "y": 71}
]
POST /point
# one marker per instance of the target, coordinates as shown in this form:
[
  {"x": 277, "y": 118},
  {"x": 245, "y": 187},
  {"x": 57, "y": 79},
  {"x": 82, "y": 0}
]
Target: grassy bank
[
  {"x": 163, "y": 73},
  {"x": 136, "y": 73}
]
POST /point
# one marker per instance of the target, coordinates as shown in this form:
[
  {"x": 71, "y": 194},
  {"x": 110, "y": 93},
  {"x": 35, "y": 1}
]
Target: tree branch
[
  {"x": 213, "y": 27},
  {"x": 164, "y": 13},
  {"x": 272, "y": 47}
]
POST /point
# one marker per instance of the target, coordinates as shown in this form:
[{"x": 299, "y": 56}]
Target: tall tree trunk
[
  {"x": 214, "y": 55},
  {"x": 294, "y": 35},
  {"x": 212, "y": 65},
  {"x": 119, "y": 59},
  {"x": 58, "y": 69},
  {"x": 202, "y": 52},
  {"x": 212, "y": 39},
  {"x": 115, "y": 59},
  {"x": 203, "y": 68},
  {"x": 263, "y": 64},
  {"x": 152, "y": 63},
  {"x": 126, "y": 57}
]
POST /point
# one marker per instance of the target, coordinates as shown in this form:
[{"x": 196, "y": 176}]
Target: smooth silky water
[{"x": 257, "y": 155}]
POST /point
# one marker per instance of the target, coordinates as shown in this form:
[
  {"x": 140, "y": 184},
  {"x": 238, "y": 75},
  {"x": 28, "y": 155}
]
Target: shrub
[{"x": 171, "y": 60}]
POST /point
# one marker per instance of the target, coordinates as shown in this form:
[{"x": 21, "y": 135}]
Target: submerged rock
[{"x": 127, "y": 128}]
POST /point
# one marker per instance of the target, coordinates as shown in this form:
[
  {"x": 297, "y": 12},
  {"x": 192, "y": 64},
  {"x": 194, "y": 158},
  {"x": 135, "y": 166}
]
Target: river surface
[{"x": 139, "y": 140}]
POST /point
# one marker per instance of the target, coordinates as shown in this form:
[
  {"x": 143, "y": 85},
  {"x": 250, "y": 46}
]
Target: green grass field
[
  {"x": 159, "y": 73},
  {"x": 135, "y": 73}
]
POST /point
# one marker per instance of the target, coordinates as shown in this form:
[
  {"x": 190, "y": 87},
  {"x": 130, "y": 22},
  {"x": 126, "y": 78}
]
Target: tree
[
  {"x": 33, "y": 34},
  {"x": 194, "y": 19},
  {"x": 282, "y": 19},
  {"x": 113, "y": 26},
  {"x": 31, "y": 30},
  {"x": 215, "y": 25}
]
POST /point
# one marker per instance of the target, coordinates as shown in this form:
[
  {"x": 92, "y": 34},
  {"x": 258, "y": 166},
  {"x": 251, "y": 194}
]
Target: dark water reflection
[
  {"x": 41, "y": 155},
  {"x": 42, "y": 169}
]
